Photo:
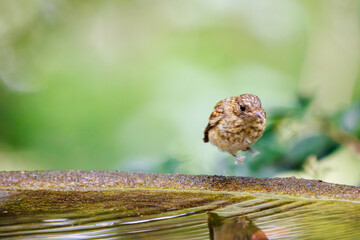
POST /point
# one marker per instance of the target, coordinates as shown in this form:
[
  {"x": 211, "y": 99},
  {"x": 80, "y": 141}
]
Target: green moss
[{"x": 127, "y": 202}]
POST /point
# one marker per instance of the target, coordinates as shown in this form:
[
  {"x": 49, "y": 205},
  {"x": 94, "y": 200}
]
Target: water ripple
[{"x": 262, "y": 216}]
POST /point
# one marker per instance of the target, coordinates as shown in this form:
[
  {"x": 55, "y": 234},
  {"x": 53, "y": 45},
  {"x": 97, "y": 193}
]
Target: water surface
[{"x": 165, "y": 214}]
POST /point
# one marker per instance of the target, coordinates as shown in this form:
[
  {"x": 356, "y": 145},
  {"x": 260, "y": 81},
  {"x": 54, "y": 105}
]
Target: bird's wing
[{"x": 214, "y": 118}]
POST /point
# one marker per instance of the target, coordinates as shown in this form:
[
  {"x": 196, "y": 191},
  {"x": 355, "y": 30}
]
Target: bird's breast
[{"x": 237, "y": 133}]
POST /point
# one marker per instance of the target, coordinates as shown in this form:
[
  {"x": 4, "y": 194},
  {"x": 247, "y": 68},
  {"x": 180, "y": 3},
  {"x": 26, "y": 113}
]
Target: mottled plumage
[{"x": 236, "y": 124}]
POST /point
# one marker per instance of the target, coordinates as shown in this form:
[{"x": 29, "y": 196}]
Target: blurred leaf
[
  {"x": 350, "y": 119},
  {"x": 169, "y": 166},
  {"x": 304, "y": 101},
  {"x": 319, "y": 146}
]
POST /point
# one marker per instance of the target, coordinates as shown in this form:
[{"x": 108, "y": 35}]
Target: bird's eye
[{"x": 242, "y": 107}]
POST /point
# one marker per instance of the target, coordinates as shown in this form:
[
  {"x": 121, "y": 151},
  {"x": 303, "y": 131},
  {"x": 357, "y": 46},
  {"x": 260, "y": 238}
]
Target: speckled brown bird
[{"x": 236, "y": 124}]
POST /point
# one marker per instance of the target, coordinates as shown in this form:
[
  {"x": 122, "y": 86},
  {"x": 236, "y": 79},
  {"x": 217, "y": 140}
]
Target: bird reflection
[{"x": 234, "y": 228}]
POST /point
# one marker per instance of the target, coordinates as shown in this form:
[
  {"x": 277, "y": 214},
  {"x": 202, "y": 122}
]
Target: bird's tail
[
  {"x": 206, "y": 133},
  {"x": 206, "y": 137}
]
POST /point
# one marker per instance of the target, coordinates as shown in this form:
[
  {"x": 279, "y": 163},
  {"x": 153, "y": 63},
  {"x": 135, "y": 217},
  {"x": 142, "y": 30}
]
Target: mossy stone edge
[{"x": 78, "y": 180}]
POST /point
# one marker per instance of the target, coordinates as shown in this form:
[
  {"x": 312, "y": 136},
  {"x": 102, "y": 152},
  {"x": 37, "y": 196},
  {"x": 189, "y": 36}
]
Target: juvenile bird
[{"x": 236, "y": 124}]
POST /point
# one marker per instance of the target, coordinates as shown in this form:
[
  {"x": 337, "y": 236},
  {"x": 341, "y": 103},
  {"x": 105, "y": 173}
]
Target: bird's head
[{"x": 249, "y": 107}]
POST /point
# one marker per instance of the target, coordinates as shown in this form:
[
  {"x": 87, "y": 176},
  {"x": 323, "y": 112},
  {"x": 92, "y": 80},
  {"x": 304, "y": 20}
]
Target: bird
[{"x": 235, "y": 124}]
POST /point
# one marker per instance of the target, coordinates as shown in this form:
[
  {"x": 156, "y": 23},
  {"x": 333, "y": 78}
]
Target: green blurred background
[{"x": 129, "y": 85}]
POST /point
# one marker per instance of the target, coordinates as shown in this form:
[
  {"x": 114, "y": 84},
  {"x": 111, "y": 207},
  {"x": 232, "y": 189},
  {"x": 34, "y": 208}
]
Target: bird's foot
[
  {"x": 253, "y": 152},
  {"x": 239, "y": 160}
]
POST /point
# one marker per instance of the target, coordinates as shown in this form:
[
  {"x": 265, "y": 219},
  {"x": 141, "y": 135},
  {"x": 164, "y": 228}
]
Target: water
[{"x": 160, "y": 214}]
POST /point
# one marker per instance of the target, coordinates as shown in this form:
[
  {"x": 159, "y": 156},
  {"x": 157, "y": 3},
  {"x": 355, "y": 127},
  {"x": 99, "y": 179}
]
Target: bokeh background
[{"x": 129, "y": 85}]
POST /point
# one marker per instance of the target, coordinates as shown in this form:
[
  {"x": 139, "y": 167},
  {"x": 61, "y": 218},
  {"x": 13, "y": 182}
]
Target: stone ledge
[{"x": 97, "y": 180}]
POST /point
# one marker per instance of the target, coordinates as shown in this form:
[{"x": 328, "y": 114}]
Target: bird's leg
[
  {"x": 253, "y": 152},
  {"x": 239, "y": 159}
]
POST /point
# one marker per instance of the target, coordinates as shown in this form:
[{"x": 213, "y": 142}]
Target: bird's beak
[{"x": 259, "y": 115}]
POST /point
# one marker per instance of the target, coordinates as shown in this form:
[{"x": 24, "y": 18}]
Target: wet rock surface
[{"x": 100, "y": 180}]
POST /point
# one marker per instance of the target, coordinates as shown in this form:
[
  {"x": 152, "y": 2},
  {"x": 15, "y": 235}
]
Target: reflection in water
[
  {"x": 144, "y": 214},
  {"x": 235, "y": 228}
]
